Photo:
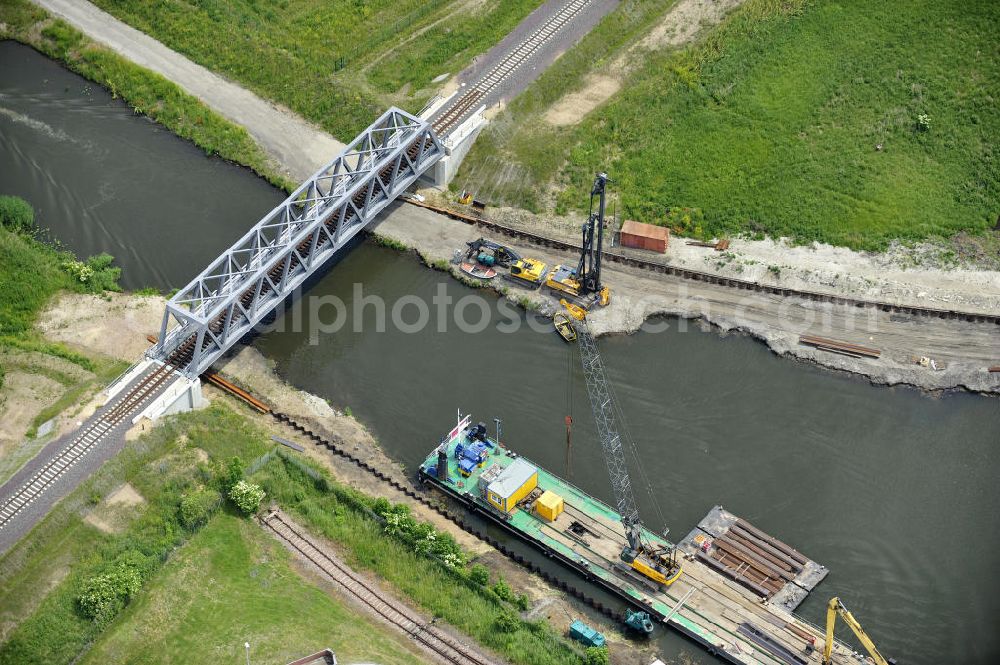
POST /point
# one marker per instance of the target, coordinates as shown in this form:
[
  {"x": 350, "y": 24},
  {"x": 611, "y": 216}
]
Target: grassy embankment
[
  {"x": 339, "y": 67},
  {"x": 210, "y": 582},
  {"x": 147, "y": 93},
  {"x": 32, "y": 272},
  {"x": 769, "y": 124}
]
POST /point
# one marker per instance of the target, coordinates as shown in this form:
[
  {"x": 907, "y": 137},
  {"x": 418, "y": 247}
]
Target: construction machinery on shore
[
  {"x": 527, "y": 271},
  {"x": 583, "y": 283}
]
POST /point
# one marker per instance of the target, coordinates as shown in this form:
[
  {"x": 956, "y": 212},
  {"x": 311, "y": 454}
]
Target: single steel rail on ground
[
  {"x": 710, "y": 278},
  {"x": 381, "y": 603}
]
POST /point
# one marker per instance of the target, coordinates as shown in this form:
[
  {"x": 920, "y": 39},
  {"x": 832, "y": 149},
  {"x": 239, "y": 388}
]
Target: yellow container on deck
[
  {"x": 549, "y": 505},
  {"x": 513, "y": 484}
]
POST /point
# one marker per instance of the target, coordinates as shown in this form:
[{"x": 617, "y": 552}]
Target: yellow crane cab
[{"x": 531, "y": 271}]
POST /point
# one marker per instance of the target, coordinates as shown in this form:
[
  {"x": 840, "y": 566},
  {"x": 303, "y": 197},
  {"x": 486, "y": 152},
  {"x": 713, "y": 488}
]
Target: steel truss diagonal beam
[{"x": 292, "y": 241}]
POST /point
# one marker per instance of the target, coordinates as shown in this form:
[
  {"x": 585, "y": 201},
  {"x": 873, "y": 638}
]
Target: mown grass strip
[
  {"x": 340, "y": 66},
  {"x": 799, "y": 119},
  {"x": 146, "y": 92}
]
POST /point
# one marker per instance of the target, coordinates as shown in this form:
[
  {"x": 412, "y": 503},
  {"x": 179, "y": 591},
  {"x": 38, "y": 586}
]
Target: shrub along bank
[{"x": 146, "y": 92}]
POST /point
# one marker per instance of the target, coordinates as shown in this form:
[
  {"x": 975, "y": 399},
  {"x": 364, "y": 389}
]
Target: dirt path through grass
[
  {"x": 298, "y": 147},
  {"x": 680, "y": 26}
]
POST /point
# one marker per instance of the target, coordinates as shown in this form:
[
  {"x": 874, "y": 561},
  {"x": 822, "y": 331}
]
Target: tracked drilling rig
[{"x": 585, "y": 280}]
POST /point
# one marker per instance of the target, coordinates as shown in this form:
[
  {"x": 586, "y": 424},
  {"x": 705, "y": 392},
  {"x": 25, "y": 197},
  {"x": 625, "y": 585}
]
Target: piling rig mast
[
  {"x": 658, "y": 564},
  {"x": 585, "y": 280}
]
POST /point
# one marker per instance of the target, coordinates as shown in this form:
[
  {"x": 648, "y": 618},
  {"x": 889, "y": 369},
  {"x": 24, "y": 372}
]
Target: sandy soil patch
[
  {"x": 684, "y": 21},
  {"x": 679, "y": 26},
  {"x": 115, "y": 327},
  {"x": 31, "y": 383},
  {"x": 24, "y": 396},
  {"x": 114, "y": 512},
  {"x": 597, "y": 89}
]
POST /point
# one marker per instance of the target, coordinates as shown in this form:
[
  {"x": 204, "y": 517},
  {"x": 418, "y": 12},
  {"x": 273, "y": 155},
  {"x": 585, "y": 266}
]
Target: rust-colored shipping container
[{"x": 645, "y": 236}]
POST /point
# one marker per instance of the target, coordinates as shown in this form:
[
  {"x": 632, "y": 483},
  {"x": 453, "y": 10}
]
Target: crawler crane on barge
[{"x": 658, "y": 564}]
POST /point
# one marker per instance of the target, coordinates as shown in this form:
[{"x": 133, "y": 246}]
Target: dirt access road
[{"x": 296, "y": 146}]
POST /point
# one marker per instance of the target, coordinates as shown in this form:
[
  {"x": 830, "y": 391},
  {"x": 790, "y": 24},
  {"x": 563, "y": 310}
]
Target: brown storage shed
[{"x": 645, "y": 236}]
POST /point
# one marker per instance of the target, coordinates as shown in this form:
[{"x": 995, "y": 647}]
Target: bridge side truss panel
[{"x": 290, "y": 243}]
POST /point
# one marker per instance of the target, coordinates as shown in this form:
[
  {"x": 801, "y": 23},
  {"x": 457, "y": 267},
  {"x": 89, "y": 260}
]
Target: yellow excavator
[
  {"x": 585, "y": 279},
  {"x": 834, "y": 608}
]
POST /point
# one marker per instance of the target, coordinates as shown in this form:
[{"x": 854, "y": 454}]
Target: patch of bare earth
[
  {"x": 679, "y": 26},
  {"x": 114, "y": 512},
  {"x": 32, "y": 382},
  {"x": 115, "y": 325}
]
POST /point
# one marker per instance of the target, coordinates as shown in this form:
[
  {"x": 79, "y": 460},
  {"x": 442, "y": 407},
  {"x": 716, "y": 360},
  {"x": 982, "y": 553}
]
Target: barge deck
[{"x": 738, "y": 586}]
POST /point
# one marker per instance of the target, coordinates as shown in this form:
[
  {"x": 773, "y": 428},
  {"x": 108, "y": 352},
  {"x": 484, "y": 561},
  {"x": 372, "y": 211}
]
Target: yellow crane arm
[{"x": 835, "y": 607}]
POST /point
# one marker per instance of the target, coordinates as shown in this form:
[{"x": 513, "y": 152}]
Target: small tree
[
  {"x": 246, "y": 496},
  {"x": 232, "y": 474},
  {"x": 506, "y": 622},
  {"x": 923, "y": 122},
  {"x": 596, "y": 656},
  {"x": 502, "y": 590},
  {"x": 197, "y": 507}
]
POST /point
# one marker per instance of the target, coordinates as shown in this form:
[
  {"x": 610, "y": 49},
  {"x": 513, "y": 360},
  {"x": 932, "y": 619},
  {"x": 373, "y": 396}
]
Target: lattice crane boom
[{"x": 611, "y": 440}]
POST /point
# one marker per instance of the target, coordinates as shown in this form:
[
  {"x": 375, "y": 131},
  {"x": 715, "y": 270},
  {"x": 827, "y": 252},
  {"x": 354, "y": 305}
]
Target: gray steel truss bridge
[{"x": 251, "y": 278}]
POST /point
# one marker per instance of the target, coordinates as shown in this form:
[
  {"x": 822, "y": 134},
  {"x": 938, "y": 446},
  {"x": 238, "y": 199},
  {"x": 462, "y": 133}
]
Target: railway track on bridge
[
  {"x": 90, "y": 436},
  {"x": 711, "y": 278},
  {"x": 370, "y": 595},
  {"x": 505, "y": 68}
]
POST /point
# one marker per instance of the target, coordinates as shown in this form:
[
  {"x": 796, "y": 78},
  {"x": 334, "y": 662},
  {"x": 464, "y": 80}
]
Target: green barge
[{"x": 737, "y": 587}]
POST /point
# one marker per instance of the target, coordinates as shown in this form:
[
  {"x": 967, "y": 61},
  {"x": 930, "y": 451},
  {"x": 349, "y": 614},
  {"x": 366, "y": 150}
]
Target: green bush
[
  {"x": 16, "y": 214},
  {"x": 503, "y": 591},
  {"x": 246, "y": 496},
  {"x": 480, "y": 575},
  {"x": 197, "y": 507},
  {"x": 506, "y": 622},
  {"x": 233, "y": 474},
  {"x": 596, "y": 656},
  {"x": 103, "y": 596}
]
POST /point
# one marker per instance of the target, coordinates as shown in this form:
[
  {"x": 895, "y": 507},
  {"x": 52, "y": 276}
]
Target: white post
[{"x": 247, "y": 645}]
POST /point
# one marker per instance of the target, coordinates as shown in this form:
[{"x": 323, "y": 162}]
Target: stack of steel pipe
[{"x": 756, "y": 560}]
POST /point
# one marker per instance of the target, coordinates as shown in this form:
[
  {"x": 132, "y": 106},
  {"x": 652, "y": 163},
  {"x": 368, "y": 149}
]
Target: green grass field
[
  {"x": 770, "y": 125},
  {"x": 231, "y": 584},
  {"x": 207, "y": 589},
  {"x": 339, "y": 64}
]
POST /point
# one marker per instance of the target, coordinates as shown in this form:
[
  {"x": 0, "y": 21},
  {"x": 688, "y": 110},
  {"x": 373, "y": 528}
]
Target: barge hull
[{"x": 730, "y": 620}]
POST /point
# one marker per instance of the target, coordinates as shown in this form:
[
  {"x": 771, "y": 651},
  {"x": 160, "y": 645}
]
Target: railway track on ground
[
  {"x": 456, "y": 519},
  {"x": 711, "y": 278},
  {"x": 384, "y": 605},
  {"x": 508, "y": 64},
  {"x": 95, "y": 431}
]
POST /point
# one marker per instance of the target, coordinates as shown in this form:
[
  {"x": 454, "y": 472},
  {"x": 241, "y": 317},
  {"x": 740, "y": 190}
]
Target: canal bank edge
[
  {"x": 146, "y": 92},
  {"x": 99, "y": 323},
  {"x": 640, "y": 297},
  {"x": 35, "y": 28}
]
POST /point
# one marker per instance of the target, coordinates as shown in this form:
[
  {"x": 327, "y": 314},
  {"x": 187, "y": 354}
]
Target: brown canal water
[{"x": 893, "y": 490}]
